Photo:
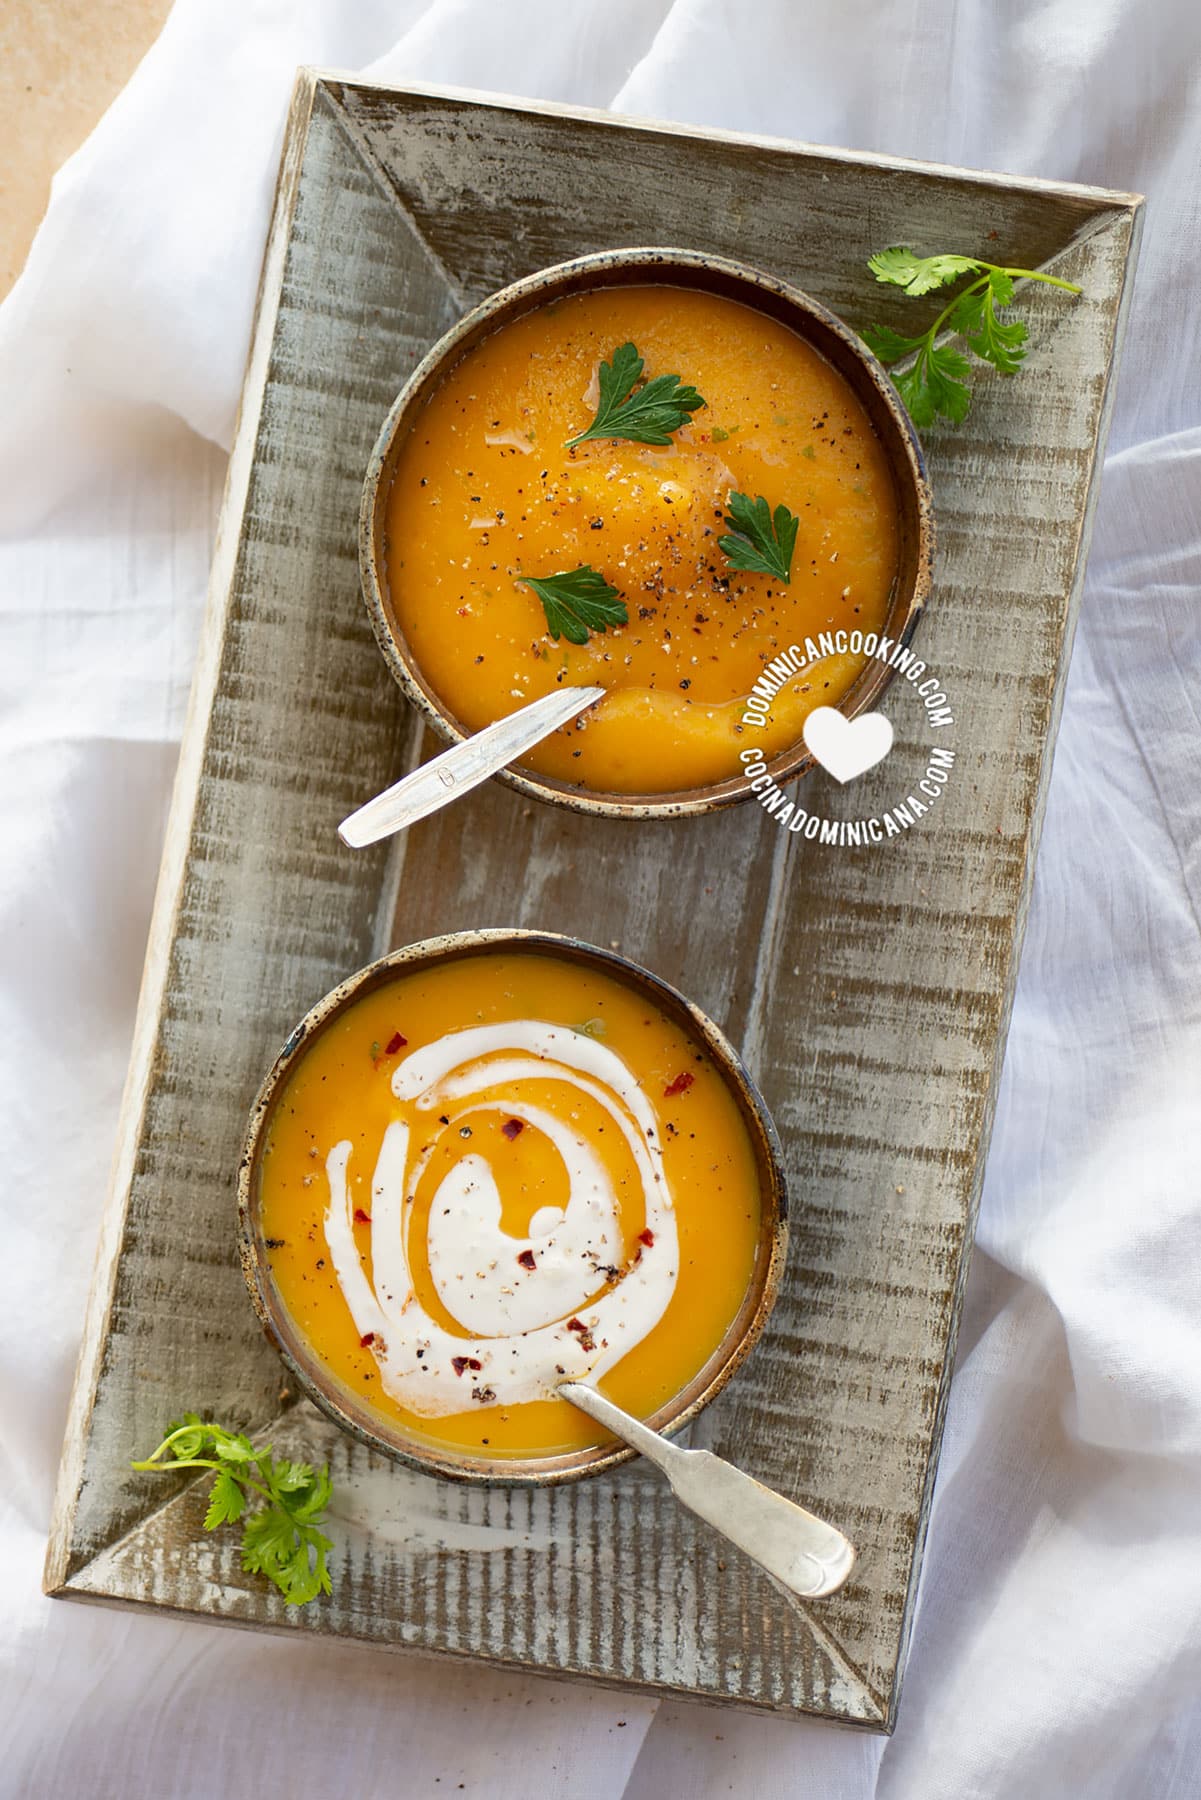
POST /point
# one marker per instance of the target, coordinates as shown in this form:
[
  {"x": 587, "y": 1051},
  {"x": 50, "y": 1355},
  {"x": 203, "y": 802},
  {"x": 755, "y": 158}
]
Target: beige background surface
[{"x": 61, "y": 63}]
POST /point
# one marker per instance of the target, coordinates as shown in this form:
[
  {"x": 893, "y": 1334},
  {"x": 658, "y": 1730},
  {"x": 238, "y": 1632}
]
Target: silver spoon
[
  {"x": 464, "y": 766},
  {"x": 799, "y": 1550}
]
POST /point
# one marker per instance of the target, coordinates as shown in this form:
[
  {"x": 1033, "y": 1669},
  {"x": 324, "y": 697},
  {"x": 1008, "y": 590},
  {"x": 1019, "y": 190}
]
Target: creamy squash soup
[
  {"x": 496, "y": 1172},
  {"x": 656, "y": 489}
]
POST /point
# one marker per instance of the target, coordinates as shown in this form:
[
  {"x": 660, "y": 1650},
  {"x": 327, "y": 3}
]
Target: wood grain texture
[{"x": 870, "y": 987}]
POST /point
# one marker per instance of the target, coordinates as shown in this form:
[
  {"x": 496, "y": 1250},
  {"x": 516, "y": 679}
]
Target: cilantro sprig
[
  {"x": 760, "y": 540},
  {"x": 934, "y": 385},
  {"x": 281, "y": 1539},
  {"x": 644, "y": 415},
  {"x": 578, "y": 602}
]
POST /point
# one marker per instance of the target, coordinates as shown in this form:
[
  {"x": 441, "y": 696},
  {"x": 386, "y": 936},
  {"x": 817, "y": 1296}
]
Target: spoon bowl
[{"x": 799, "y": 1551}]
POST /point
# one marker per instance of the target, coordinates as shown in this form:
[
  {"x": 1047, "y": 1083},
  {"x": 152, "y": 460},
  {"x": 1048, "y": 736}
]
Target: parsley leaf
[
  {"x": 644, "y": 415},
  {"x": 762, "y": 541},
  {"x": 281, "y": 1540},
  {"x": 934, "y": 384},
  {"x": 578, "y": 602}
]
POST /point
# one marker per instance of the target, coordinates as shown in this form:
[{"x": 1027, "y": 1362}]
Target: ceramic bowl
[
  {"x": 373, "y": 1427},
  {"x": 835, "y": 341}
]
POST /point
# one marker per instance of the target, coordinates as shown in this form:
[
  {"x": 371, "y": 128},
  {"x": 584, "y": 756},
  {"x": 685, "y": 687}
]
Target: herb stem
[
  {"x": 152, "y": 1461},
  {"x": 203, "y": 1462},
  {"x": 1070, "y": 287}
]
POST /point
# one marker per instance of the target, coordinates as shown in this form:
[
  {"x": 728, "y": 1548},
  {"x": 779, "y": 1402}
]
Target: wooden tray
[{"x": 870, "y": 988}]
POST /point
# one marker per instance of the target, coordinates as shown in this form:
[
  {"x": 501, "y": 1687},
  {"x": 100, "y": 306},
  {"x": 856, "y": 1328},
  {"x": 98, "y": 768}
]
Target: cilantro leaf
[
  {"x": 227, "y": 1501},
  {"x": 761, "y": 540},
  {"x": 644, "y": 415},
  {"x": 313, "y": 1502},
  {"x": 268, "y": 1541},
  {"x": 577, "y": 602},
  {"x": 1002, "y": 285},
  {"x": 903, "y": 268},
  {"x": 291, "y": 1555},
  {"x": 307, "y": 1577},
  {"x": 998, "y": 341},
  {"x": 281, "y": 1539},
  {"x": 888, "y": 345},
  {"x": 934, "y": 384},
  {"x": 236, "y": 1448},
  {"x": 290, "y": 1476}
]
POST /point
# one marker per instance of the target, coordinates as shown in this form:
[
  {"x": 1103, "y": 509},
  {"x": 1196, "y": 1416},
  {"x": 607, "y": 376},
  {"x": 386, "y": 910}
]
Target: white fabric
[{"x": 1058, "y": 1645}]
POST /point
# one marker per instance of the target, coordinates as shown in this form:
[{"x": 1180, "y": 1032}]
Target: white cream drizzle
[{"x": 517, "y": 1317}]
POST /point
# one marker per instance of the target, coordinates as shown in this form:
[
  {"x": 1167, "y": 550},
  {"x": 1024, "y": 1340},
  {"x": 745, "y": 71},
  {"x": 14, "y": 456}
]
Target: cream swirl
[{"x": 562, "y": 1302}]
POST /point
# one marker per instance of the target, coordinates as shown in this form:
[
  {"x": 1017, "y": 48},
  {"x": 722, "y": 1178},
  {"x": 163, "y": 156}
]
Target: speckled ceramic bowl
[
  {"x": 374, "y": 1427},
  {"x": 836, "y": 342}
]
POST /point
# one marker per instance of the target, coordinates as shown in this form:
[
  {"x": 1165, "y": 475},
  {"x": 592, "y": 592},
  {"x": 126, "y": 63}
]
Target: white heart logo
[{"x": 847, "y": 747}]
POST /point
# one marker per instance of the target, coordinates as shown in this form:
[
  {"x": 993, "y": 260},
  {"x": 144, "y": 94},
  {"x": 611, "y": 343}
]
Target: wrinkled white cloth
[{"x": 1057, "y": 1653}]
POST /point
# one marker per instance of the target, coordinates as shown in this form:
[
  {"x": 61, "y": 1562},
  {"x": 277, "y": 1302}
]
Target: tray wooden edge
[
  {"x": 60, "y": 1562},
  {"x": 1126, "y": 213},
  {"x": 647, "y": 1690},
  {"x": 332, "y": 78}
]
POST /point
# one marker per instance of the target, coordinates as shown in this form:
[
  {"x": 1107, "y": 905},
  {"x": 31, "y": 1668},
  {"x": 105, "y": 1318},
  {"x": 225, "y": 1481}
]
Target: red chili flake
[
  {"x": 680, "y": 1085},
  {"x": 395, "y": 1043},
  {"x": 361, "y": 1217},
  {"x": 459, "y": 1363},
  {"x": 576, "y": 1325},
  {"x": 646, "y": 1236},
  {"x": 367, "y": 1339},
  {"x": 513, "y": 1128},
  {"x": 526, "y": 1259}
]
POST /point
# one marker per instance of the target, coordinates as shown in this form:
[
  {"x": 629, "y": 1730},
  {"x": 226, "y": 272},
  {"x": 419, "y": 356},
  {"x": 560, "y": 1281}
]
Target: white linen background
[{"x": 1057, "y": 1651}]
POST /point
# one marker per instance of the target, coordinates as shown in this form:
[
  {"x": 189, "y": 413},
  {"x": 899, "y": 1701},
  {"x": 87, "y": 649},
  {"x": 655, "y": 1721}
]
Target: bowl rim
[
  {"x": 362, "y": 1421},
  {"x": 813, "y": 322}
]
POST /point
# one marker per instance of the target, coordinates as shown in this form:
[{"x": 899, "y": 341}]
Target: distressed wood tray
[{"x": 870, "y": 989}]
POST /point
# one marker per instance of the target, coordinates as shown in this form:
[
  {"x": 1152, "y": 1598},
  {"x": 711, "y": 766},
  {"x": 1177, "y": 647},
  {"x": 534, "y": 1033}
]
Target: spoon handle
[
  {"x": 463, "y": 766},
  {"x": 799, "y": 1550}
]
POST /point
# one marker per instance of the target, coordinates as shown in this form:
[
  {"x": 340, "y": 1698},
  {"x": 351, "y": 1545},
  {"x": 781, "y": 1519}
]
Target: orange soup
[
  {"x": 487, "y": 494},
  {"x": 497, "y": 1172}
]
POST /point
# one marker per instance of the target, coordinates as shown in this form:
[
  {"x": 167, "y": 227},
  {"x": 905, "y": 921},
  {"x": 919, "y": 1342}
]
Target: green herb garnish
[
  {"x": 281, "y": 1539},
  {"x": 933, "y": 385},
  {"x": 761, "y": 541},
  {"x": 645, "y": 415},
  {"x": 578, "y": 602}
]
